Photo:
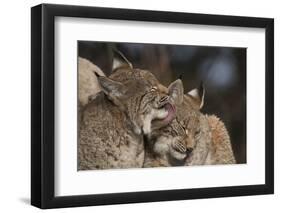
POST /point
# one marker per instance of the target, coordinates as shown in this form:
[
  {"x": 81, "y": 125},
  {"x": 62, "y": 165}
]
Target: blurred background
[{"x": 222, "y": 70}]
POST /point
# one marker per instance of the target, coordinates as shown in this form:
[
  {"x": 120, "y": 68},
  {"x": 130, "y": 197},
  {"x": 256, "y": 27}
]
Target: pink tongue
[{"x": 171, "y": 113}]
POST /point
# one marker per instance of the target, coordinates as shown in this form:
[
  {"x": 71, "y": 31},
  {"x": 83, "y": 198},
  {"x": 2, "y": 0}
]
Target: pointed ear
[
  {"x": 119, "y": 60},
  {"x": 175, "y": 91},
  {"x": 113, "y": 89},
  {"x": 198, "y": 94}
]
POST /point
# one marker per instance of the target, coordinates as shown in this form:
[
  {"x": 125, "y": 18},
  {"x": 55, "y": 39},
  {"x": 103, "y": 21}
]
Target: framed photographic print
[{"x": 139, "y": 106}]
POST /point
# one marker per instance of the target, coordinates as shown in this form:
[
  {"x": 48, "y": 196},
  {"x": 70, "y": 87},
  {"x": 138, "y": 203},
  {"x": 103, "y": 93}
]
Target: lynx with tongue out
[
  {"x": 169, "y": 103},
  {"x": 113, "y": 124},
  {"x": 171, "y": 113}
]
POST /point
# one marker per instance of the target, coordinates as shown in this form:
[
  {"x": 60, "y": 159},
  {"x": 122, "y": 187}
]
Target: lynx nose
[{"x": 189, "y": 150}]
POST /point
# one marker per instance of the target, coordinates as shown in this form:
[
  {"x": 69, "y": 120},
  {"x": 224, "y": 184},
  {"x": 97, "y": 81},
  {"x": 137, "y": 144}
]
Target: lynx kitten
[{"x": 114, "y": 123}]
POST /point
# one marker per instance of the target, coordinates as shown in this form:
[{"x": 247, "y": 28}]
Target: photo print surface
[{"x": 157, "y": 105}]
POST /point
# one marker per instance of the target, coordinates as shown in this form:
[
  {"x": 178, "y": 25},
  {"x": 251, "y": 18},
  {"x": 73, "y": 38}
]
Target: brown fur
[
  {"x": 190, "y": 139},
  {"x": 184, "y": 141},
  {"x": 205, "y": 140},
  {"x": 114, "y": 123},
  {"x": 222, "y": 151}
]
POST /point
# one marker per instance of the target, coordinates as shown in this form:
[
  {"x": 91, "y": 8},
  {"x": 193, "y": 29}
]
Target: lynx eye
[{"x": 153, "y": 89}]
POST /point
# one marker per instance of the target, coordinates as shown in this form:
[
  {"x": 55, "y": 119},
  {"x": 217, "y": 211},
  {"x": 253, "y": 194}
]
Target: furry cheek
[{"x": 161, "y": 147}]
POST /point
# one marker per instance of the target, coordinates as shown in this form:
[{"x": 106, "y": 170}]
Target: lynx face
[
  {"x": 172, "y": 144},
  {"x": 176, "y": 140},
  {"x": 139, "y": 94},
  {"x": 113, "y": 124}
]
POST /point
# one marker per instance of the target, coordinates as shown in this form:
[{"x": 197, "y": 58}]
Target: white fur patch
[
  {"x": 88, "y": 83},
  {"x": 147, "y": 124},
  {"x": 116, "y": 63},
  {"x": 119, "y": 63},
  {"x": 194, "y": 93},
  {"x": 158, "y": 114},
  {"x": 161, "y": 146}
]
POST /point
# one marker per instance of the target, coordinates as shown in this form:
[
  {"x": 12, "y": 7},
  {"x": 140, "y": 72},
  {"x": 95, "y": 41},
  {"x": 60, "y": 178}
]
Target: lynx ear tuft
[
  {"x": 180, "y": 76},
  {"x": 198, "y": 94},
  {"x": 119, "y": 60}
]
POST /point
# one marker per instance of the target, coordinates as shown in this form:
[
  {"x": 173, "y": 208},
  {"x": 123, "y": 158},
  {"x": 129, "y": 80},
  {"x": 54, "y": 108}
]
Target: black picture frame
[{"x": 43, "y": 102}]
